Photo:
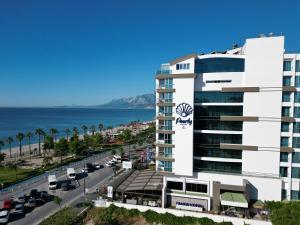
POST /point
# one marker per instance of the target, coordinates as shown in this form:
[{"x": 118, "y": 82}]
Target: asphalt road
[{"x": 93, "y": 181}]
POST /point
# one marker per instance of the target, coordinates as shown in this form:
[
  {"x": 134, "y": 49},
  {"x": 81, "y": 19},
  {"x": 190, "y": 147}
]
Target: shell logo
[{"x": 184, "y": 110}]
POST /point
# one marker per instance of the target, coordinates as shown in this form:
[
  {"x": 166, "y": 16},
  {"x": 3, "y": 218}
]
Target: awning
[
  {"x": 258, "y": 205},
  {"x": 234, "y": 199}
]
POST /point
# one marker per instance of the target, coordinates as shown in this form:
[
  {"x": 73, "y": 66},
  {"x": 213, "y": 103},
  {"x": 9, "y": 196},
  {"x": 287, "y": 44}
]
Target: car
[
  {"x": 108, "y": 164},
  {"x": 21, "y": 199},
  {"x": 90, "y": 167},
  {"x": 31, "y": 202},
  {"x": 7, "y": 204},
  {"x": 19, "y": 208},
  {"x": 84, "y": 170},
  {"x": 34, "y": 193},
  {"x": 43, "y": 196},
  {"x": 4, "y": 216},
  {"x": 231, "y": 212},
  {"x": 96, "y": 165},
  {"x": 65, "y": 186}
]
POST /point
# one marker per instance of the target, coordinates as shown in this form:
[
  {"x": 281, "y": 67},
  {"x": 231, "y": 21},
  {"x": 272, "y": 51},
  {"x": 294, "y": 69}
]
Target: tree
[
  {"x": 1, "y": 144},
  {"x": 48, "y": 143},
  {"x": 20, "y": 136},
  {"x": 67, "y": 131},
  {"x": 53, "y": 133},
  {"x": 84, "y": 128},
  {"x": 113, "y": 151},
  {"x": 29, "y": 136},
  {"x": 39, "y": 132},
  {"x": 98, "y": 139},
  {"x": 287, "y": 213},
  {"x": 101, "y": 127},
  {"x": 93, "y": 129},
  {"x": 57, "y": 200},
  {"x": 75, "y": 131},
  {"x": 9, "y": 140},
  {"x": 61, "y": 147},
  {"x": 2, "y": 157},
  {"x": 121, "y": 152}
]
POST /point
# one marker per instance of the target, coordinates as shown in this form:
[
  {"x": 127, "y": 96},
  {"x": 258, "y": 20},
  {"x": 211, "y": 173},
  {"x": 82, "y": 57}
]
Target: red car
[{"x": 7, "y": 204}]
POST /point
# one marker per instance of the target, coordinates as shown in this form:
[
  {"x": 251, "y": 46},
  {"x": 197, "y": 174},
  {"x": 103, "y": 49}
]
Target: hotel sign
[{"x": 184, "y": 110}]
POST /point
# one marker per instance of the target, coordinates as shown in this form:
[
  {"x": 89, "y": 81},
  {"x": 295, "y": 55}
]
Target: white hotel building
[{"x": 228, "y": 126}]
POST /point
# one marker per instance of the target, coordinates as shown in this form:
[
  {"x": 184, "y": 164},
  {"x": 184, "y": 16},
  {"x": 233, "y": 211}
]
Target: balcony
[
  {"x": 164, "y": 169},
  {"x": 164, "y": 114},
  {"x": 163, "y": 127},
  {"x": 164, "y": 143},
  {"x": 165, "y": 71},
  {"x": 164, "y": 100}
]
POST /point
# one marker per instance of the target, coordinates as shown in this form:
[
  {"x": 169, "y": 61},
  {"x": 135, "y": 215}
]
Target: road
[{"x": 93, "y": 181}]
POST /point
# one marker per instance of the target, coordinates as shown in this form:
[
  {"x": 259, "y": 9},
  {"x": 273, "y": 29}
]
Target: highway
[{"x": 93, "y": 181}]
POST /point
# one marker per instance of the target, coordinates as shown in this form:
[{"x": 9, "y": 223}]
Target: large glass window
[
  {"x": 297, "y": 97},
  {"x": 296, "y": 172},
  {"x": 201, "y": 139},
  {"x": 202, "y": 124},
  {"x": 283, "y": 171},
  {"x": 296, "y": 157},
  {"x": 296, "y": 127},
  {"x": 296, "y": 142},
  {"x": 295, "y": 195},
  {"x": 217, "y": 152},
  {"x": 286, "y": 96},
  {"x": 283, "y": 194},
  {"x": 284, "y": 156},
  {"x": 286, "y": 81},
  {"x": 196, "y": 187},
  {"x": 297, "y": 65},
  {"x": 297, "y": 81},
  {"x": 287, "y": 65},
  {"x": 175, "y": 185},
  {"x": 205, "y": 112},
  {"x": 284, "y": 142},
  {"x": 216, "y": 96},
  {"x": 285, "y": 111},
  {"x": 284, "y": 127},
  {"x": 297, "y": 112},
  {"x": 222, "y": 167},
  {"x": 216, "y": 65}
]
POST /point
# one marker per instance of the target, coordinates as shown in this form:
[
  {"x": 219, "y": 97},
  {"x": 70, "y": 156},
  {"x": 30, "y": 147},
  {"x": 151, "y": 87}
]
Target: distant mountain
[{"x": 146, "y": 101}]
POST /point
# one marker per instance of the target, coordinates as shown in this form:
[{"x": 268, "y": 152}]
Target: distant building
[{"x": 228, "y": 126}]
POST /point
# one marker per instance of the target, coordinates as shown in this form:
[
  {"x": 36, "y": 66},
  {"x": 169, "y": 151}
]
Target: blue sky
[{"x": 57, "y": 52}]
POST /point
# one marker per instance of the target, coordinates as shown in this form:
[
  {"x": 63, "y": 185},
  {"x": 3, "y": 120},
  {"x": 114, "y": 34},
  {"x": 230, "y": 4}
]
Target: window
[
  {"x": 285, "y": 111},
  {"x": 297, "y": 97},
  {"x": 286, "y": 96},
  {"x": 286, "y": 81},
  {"x": 296, "y": 157},
  {"x": 297, "y": 81},
  {"x": 297, "y": 65},
  {"x": 283, "y": 171},
  {"x": 201, "y": 139},
  {"x": 217, "y": 111},
  {"x": 283, "y": 194},
  {"x": 166, "y": 83},
  {"x": 287, "y": 65},
  {"x": 284, "y": 127},
  {"x": 216, "y": 65},
  {"x": 196, "y": 187},
  {"x": 296, "y": 127},
  {"x": 222, "y": 167},
  {"x": 284, "y": 156},
  {"x": 295, "y": 195},
  {"x": 174, "y": 185},
  {"x": 215, "y": 96},
  {"x": 296, "y": 172},
  {"x": 297, "y": 112},
  {"x": 200, "y": 124},
  {"x": 284, "y": 142},
  {"x": 217, "y": 152},
  {"x": 296, "y": 142},
  {"x": 183, "y": 66}
]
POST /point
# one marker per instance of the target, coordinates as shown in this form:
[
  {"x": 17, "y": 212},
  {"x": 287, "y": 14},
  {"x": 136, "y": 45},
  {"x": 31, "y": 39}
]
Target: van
[
  {"x": 71, "y": 174},
  {"x": 117, "y": 159},
  {"x": 52, "y": 182}
]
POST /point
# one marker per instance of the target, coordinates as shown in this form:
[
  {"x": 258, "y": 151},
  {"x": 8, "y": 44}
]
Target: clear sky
[{"x": 57, "y": 52}]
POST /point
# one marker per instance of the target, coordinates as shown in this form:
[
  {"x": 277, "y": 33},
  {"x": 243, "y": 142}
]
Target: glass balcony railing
[
  {"x": 165, "y": 155},
  {"x": 164, "y": 100},
  {"x": 163, "y": 127},
  {"x": 165, "y": 71},
  {"x": 165, "y": 141},
  {"x": 164, "y": 114},
  {"x": 165, "y": 169},
  {"x": 165, "y": 86}
]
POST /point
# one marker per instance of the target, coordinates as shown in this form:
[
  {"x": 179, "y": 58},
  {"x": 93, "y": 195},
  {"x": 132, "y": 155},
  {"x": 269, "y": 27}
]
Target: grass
[{"x": 8, "y": 175}]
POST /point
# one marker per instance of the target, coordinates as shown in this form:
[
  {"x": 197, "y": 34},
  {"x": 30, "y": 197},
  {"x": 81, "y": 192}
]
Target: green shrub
[
  {"x": 286, "y": 213},
  {"x": 66, "y": 216}
]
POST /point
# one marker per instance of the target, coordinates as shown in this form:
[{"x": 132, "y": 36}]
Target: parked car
[
  {"x": 65, "y": 186},
  {"x": 97, "y": 166},
  {"x": 34, "y": 193},
  {"x": 19, "y": 208},
  {"x": 4, "y": 216},
  {"x": 84, "y": 170},
  {"x": 7, "y": 204},
  {"x": 21, "y": 199},
  {"x": 90, "y": 167},
  {"x": 231, "y": 212},
  {"x": 31, "y": 202}
]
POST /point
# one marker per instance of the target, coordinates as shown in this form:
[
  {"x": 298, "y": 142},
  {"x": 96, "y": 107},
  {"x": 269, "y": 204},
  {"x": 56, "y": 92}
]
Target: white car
[
  {"x": 108, "y": 164},
  {"x": 4, "y": 216}
]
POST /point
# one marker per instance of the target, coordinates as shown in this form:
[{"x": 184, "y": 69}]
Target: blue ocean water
[{"x": 14, "y": 120}]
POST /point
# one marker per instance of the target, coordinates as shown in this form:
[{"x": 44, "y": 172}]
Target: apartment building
[{"x": 228, "y": 126}]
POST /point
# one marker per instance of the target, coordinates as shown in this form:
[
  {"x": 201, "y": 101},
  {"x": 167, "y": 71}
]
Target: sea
[{"x": 14, "y": 120}]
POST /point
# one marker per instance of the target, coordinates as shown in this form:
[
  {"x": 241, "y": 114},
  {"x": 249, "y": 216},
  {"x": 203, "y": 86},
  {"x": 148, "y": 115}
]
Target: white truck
[
  {"x": 71, "y": 174},
  {"x": 52, "y": 182}
]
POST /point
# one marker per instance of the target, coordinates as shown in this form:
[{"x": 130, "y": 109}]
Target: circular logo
[{"x": 184, "y": 109}]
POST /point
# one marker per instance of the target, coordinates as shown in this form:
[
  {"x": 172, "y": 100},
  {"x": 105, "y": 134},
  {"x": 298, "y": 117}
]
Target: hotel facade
[{"x": 228, "y": 126}]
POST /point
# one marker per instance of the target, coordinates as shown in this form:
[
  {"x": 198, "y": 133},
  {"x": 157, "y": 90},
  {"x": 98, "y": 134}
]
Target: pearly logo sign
[{"x": 184, "y": 110}]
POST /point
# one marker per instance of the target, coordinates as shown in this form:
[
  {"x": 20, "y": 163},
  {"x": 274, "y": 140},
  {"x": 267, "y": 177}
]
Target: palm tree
[
  {"x": 1, "y": 144},
  {"x": 101, "y": 127},
  {"x": 53, "y": 133},
  {"x": 39, "y": 132},
  {"x": 84, "y": 128},
  {"x": 9, "y": 140},
  {"x": 93, "y": 129},
  {"x": 67, "y": 131},
  {"x": 75, "y": 131},
  {"x": 20, "y": 137},
  {"x": 29, "y": 135}
]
